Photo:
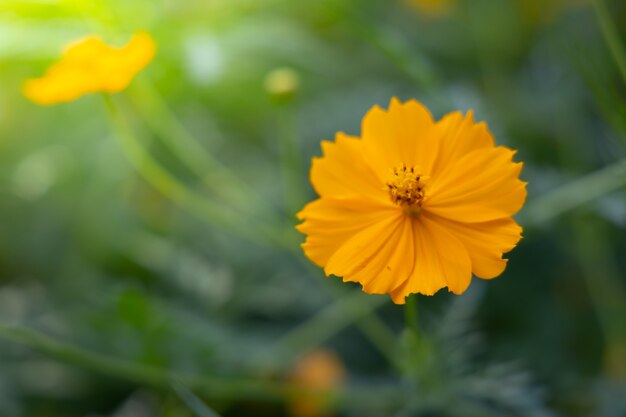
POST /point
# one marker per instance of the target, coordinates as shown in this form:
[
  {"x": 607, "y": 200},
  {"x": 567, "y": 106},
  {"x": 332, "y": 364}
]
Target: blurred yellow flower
[
  {"x": 90, "y": 65},
  {"x": 413, "y": 205},
  {"x": 319, "y": 372},
  {"x": 432, "y": 8}
]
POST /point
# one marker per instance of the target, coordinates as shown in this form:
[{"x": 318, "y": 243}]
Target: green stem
[
  {"x": 410, "y": 314},
  {"x": 160, "y": 119},
  {"x": 415, "y": 361},
  {"x": 290, "y": 161},
  {"x": 215, "y": 387},
  {"x": 213, "y": 174},
  {"x": 137, "y": 373},
  {"x": 611, "y": 36},
  {"x": 175, "y": 190},
  {"x": 576, "y": 193}
]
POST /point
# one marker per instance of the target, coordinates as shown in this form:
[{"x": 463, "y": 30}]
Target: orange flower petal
[
  {"x": 329, "y": 222},
  {"x": 485, "y": 242},
  {"x": 343, "y": 170},
  {"x": 483, "y": 185},
  {"x": 459, "y": 136},
  {"x": 441, "y": 261},
  {"x": 405, "y": 134},
  {"x": 365, "y": 252},
  {"x": 392, "y": 264}
]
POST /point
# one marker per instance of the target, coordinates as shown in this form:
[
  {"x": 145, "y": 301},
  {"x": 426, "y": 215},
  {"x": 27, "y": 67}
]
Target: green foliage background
[{"x": 116, "y": 286}]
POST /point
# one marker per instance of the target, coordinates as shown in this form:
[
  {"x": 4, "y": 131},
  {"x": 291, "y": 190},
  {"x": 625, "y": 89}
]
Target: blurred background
[{"x": 151, "y": 286}]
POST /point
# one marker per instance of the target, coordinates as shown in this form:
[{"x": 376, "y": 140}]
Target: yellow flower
[
  {"x": 414, "y": 205},
  {"x": 89, "y": 66},
  {"x": 319, "y": 372}
]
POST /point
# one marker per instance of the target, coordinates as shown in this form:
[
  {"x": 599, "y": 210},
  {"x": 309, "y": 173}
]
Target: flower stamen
[{"x": 406, "y": 189}]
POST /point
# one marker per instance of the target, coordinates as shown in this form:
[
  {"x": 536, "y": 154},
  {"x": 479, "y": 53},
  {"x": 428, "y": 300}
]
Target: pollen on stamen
[{"x": 406, "y": 189}]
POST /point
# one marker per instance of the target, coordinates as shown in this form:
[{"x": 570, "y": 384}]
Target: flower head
[
  {"x": 88, "y": 66},
  {"x": 413, "y": 205}
]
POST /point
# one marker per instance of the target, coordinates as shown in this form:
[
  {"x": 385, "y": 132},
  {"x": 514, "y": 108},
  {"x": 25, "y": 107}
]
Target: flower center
[{"x": 406, "y": 189}]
